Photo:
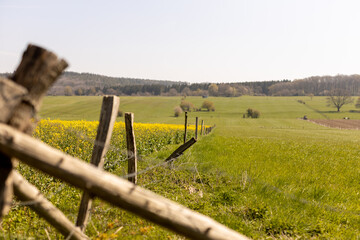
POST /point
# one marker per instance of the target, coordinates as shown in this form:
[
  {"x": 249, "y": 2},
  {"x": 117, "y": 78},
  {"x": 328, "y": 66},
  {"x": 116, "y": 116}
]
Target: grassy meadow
[{"x": 276, "y": 177}]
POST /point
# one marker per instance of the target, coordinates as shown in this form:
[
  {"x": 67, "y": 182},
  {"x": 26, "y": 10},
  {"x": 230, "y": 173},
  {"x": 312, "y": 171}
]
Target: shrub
[
  {"x": 252, "y": 113},
  {"x": 256, "y": 114},
  {"x": 186, "y": 106},
  {"x": 249, "y": 112},
  {"x": 177, "y": 111},
  {"x": 208, "y": 105},
  {"x": 120, "y": 113},
  {"x": 301, "y": 101}
]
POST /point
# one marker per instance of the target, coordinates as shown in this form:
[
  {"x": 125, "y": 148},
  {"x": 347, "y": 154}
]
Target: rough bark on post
[
  {"x": 109, "y": 110},
  {"x": 37, "y": 71},
  {"x": 131, "y": 147},
  {"x": 196, "y": 127},
  {"x": 10, "y": 96},
  {"x": 111, "y": 188},
  {"x": 202, "y": 127},
  {"x": 185, "y": 132},
  {"x": 29, "y": 193}
]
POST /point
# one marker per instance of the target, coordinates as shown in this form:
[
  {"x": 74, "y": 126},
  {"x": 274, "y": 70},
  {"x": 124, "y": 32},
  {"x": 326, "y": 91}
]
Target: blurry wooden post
[
  {"x": 196, "y": 127},
  {"x": 131, "y": 147},
  {"x": 185, "y": 133},
  {"x": 109, "y": 111},
  {"x": 111, "y": 188},
  {"x": 10, "y": 96},
  {"x": 37, "y": 71},
  {"x": 202, "y": 127}
]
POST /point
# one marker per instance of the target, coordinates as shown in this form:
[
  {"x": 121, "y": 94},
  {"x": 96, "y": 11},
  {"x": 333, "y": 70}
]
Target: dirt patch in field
[{"x": 338, "y": 123}]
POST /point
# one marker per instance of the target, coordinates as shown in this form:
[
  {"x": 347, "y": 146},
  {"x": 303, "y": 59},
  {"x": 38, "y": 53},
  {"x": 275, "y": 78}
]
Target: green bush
[
  {"x": 186, "y": 106},
  {"x": 208, "y": 105},
  {"x": 252, "y": 113},
  {"x": 256, "y": 114},
  {"x": 249, "y": 112}
]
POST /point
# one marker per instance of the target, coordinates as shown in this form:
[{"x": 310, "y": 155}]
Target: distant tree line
[
  {"x": 72, "y": 83},
  {"x": 318, "y": 86},
  {"x": 177, "y": 89}
]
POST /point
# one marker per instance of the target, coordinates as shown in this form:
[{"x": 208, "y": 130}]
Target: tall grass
[{"x": 273, "y": 177}]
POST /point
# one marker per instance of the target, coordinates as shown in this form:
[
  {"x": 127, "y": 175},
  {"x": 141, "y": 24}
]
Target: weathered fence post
[
  {"x": 131, "y": 147},
  {"x": 109, "y": 110},
  {"x": 196, "y": 127},
  {"x": 185, "y": 132},
  {"x": 10, "y": 96},
  {"x": 202, "y": 127},
  {"x": 37, "y": 71}
]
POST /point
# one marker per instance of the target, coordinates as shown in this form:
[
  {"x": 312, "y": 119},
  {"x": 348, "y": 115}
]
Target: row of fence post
[
  {"x": 203, "y": 130},
  {"x": 20, "y": 98}
]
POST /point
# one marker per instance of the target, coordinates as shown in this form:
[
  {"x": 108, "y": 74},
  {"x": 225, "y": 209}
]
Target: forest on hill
[{"x": 87, "y": 84}]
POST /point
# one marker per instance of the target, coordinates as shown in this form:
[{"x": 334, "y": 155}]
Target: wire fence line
[
  {"x": 109, "y": 165},
  {"x": 246, "y": 178}
]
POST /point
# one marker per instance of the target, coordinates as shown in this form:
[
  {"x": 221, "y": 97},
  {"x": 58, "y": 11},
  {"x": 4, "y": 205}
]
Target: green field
[{"x": 273, "y": 177}]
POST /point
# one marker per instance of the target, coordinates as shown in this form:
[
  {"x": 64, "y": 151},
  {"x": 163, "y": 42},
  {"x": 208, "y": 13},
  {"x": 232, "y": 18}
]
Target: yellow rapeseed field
[{"x": 77, "y": 137}]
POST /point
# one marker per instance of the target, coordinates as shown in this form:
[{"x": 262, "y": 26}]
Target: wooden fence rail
[
  {"x": 26, "y": 192},
  {"x": 111, "y": 188},
  {"x": 20, "y": 99}
]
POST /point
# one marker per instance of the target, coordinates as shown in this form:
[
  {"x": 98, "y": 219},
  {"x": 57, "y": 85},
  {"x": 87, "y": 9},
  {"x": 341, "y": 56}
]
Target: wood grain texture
[
  {"x": 111, "y": 188},
  {"x": 185, "y": 131},
  {"x": 131, "y": 147},
  {"x": 196, "y": 127},
  {"x": 108, "y": 114},
  {"x": 11, "y": 95},
  {"x": 202, "y": 128},
  {"x": 37, "y": 71}
]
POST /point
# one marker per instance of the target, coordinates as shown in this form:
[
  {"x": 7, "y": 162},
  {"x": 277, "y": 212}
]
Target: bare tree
[
  {"x": 357, "y": 105},
  {"x": 68, "y": 91},
  {"x": 338, "y": 98}
]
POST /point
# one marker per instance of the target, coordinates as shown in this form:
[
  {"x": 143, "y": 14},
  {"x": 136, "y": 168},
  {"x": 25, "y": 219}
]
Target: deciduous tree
[
  {"x": 338, "y": 98},
  {"x": 213, "y": 89},
  {"x": 68, "y": 91}
]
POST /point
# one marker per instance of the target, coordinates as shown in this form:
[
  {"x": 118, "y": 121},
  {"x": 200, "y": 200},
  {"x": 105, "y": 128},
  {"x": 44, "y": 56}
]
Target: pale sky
[{"x": 188, "y": 40}]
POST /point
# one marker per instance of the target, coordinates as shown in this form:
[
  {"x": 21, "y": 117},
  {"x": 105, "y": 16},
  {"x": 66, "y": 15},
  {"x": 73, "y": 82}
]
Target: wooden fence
[{"x": 20, "y": 98}]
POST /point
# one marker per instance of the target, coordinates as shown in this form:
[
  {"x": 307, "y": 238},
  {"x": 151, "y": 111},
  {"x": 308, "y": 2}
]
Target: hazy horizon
[{"x": 189, "y": 41}]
